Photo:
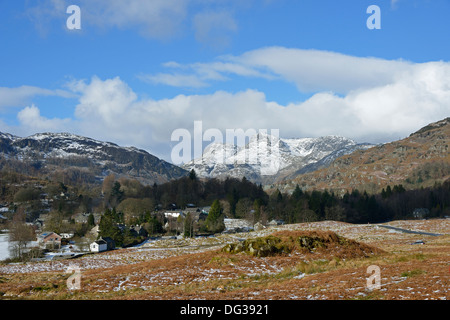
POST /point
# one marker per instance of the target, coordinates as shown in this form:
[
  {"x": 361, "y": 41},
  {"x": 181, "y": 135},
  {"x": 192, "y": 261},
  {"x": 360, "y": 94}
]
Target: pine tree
[
  {"x": 91, "y": 220},
  {"x": 192, "y": 175},
  {"x": 108, "y": 227},
  {"x": 297, "y": 194},
  {"x": 215, "y": 220}
]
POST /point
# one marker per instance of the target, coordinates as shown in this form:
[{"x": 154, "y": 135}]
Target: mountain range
[
  {"x": 330, "y": 162},
  {"x": 287, "y": 157}
]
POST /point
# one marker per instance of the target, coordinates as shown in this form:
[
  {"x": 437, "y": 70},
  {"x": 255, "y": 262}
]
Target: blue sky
[{"x": 138, "y": 70}]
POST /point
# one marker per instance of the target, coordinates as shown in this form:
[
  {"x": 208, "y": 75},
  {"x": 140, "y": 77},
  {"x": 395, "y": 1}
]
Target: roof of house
[
  {"x": 108, "y": 239},
  {"x": 47, "y": 234},
  {"x": 44, "y": 236}
]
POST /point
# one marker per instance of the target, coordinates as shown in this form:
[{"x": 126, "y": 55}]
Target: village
[
  {"x": 58, "y": 236},
  {"x": 177, "y": 224}
]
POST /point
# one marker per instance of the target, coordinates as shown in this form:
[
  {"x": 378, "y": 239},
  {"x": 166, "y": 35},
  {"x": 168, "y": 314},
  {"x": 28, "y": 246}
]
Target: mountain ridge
[
  {"x": 71, "y": 150},
  {"x": 292, "y": 155}
]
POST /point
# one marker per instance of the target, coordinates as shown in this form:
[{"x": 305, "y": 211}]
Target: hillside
[
  {"x": 82, "y": 158},
  {"x": 417, "y": 161}
]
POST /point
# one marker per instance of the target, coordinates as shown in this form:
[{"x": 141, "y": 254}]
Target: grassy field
[{"x": 314, "y": 261}]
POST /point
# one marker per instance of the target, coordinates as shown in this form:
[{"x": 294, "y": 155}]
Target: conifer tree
[{"x": 215, "y": 220}]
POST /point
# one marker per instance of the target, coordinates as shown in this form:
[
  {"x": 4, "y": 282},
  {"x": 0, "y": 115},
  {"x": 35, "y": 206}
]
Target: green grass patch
[
  {"x": 372, "y": 295},
  {"x": 413, "y": 273},
  {"x": 45, "y": 287}
]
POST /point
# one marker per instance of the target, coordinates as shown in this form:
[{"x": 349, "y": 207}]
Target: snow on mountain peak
[{"x": 264, "y": 151}]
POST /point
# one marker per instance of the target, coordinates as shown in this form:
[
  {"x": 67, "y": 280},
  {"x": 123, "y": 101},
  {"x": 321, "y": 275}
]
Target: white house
[
  {"x": 102, "y": 244},
  {"x": 66, "y": 235},
  {"x": 173, "y": 214},
  {"x": 98, "y": 246}
]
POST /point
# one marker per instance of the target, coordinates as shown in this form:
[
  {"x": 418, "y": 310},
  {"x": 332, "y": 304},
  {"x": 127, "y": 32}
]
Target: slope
[{"x": 417, "y": 161}]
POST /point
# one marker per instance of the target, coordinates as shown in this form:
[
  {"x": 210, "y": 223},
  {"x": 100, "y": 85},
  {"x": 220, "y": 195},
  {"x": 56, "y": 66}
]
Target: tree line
[
  {"x": 126, "y": 202},
  {"x": 240, "y": 198}
]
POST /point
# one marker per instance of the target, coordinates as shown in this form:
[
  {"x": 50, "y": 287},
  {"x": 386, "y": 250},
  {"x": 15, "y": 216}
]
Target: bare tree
[{"x": 20, "y": 235}]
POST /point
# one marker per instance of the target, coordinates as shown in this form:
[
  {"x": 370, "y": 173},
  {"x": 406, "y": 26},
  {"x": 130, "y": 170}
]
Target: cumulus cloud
[{"x": 31, "y": 120}]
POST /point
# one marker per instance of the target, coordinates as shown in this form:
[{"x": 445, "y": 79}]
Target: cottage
[
  {"x": 102, "y": 244},
  {"x": 99, "y": 245},
  {"x": 49, "y": 240}
]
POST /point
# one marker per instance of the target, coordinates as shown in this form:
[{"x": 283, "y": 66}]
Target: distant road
[{"x": 410, "y": 231}]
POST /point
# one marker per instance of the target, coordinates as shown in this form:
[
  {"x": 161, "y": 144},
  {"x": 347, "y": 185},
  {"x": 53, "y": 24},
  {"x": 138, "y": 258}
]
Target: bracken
[{"x": 286, "y": 242}]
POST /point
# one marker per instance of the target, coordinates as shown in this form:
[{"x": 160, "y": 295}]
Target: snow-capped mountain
[
  {"x": 55, "y": 151},
  {"x": 268, "y": 158}
]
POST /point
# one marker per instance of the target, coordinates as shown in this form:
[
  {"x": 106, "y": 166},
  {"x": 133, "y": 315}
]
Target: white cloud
[
  {"x": 31, "y": 120},
  {"x": 108, "y": 99},
  {"x": 315, "y": 70},
  {"x": 199, "y": 75},
  {"x": 20, "y": 96},
  {"x": 309, "y": 70}
]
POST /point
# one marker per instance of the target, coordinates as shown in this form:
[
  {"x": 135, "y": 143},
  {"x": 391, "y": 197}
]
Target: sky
[{"x": 135, "y": 71}]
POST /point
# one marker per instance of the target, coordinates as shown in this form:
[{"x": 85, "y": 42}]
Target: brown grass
[{"x": 335, "y": 269}]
